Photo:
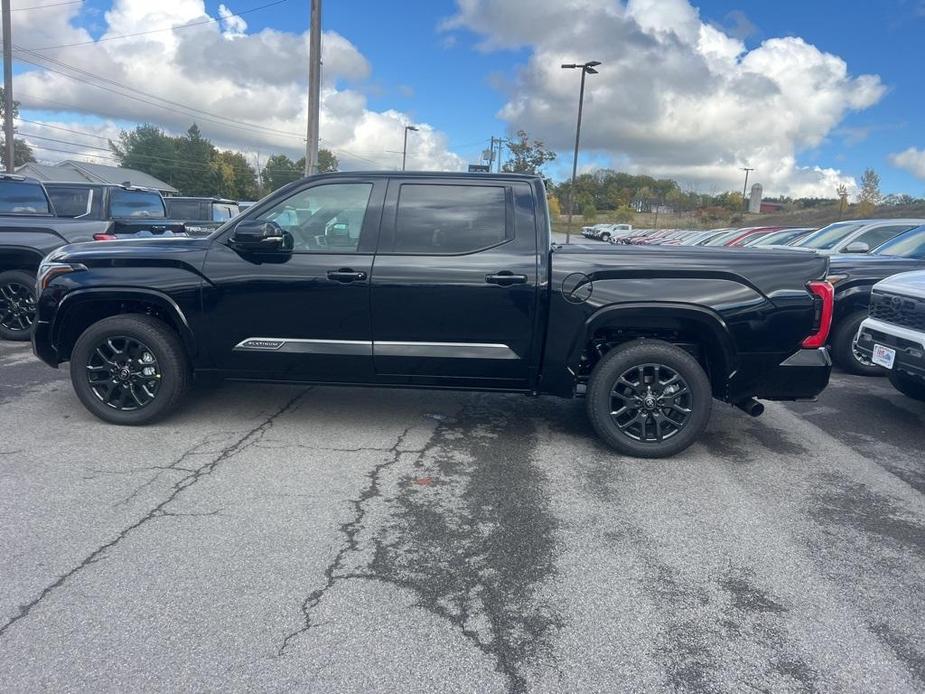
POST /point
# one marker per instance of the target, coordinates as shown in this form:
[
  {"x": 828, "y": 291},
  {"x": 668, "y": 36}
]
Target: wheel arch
[
  {"x": 674, "y": 322},
  {"x": 20, "y": 258},
  {"x": 82, "y": 307}
]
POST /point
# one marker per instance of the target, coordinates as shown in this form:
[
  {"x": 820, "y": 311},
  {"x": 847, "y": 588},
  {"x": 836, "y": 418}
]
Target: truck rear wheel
[
  {"x": 17, "y": 305},
  {"x": 129, "y": 369},
  {"x": 649, "y": 399},
  {"x": 907, "y": 385},
  {"x": 844, "y": 350}
]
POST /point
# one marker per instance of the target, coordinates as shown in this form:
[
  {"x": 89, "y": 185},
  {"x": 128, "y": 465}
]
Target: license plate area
[{"x": 884, "y": 356}]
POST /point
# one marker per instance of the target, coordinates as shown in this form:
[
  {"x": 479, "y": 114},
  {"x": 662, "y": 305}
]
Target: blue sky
[{"x": 443, "y": 79}]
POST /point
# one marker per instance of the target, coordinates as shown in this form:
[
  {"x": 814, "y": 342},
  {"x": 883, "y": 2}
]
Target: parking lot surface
[{"x": 269, "y": 538}]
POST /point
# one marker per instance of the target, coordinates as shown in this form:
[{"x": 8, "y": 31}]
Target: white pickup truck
[
  {"x": 893, "y": 334},
  {"x": 604, "y": 232}
]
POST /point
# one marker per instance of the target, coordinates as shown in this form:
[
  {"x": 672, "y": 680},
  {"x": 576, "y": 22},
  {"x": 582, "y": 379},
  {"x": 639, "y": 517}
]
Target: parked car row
[
  {"x": 37, "y": 218},
  {"x": 862, "y": 252}
]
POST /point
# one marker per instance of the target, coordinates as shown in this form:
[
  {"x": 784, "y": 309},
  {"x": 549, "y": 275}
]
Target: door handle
[
  {"x": 345, "y": 275},
  {"x": 505, "y": 278}
]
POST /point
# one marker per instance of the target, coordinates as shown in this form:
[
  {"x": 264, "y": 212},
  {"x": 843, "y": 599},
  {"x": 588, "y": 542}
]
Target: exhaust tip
[{"x": 751, "y": 407}]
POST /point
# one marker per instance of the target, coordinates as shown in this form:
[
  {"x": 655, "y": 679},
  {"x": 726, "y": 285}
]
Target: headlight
[
  {"x": 835, "y": 279},
  {"x": 49, "y": 270}
]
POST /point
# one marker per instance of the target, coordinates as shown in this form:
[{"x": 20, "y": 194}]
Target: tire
[
  {"x": 907, "y": 385},
  {"x": 647, "y": 431},
  {"x": 843, "y": 352},
  {"x": 17, "y": 305},
  {"x": 605, "y": 237},
  {"x": 114, "y": 354}
]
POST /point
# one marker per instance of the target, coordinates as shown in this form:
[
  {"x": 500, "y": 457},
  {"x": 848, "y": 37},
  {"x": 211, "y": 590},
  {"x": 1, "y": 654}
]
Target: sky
[{"x": 809, "y": 94}]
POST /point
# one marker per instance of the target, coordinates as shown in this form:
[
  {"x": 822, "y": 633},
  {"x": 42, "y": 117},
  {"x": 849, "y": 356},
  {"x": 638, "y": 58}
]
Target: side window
[
  {"x": 323, "y": 218},
  {"x": 71, "y": 202},
  {"x": 881, "y": 235},
  {"x": 443, "y": 219},
  {"x": 183, "y": 209}
]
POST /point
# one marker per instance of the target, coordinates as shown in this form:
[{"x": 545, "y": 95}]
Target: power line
[
  {"x": 51, "y": 4},
  {"x": 156, "y": 31},
  {"x": 58, "y": 127}
]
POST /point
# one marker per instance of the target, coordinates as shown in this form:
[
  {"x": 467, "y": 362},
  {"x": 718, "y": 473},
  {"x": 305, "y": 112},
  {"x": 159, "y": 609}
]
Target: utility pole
[
  {"x": 314, "y": 88},
  {"x": 501, "y": 142},
  {"x": 745, "y": 187},
  {"x": 404, "y": 149},
  {"x": 8, "y": 88}
]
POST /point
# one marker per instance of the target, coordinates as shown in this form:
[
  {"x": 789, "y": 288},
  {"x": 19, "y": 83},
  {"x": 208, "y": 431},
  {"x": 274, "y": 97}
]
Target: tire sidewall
[
  {"x": 24, "y": 278},
  {"x": 617, "y": 362},
  {"x": 165, "y": 346},
  {"x": 843, "y": 346}
]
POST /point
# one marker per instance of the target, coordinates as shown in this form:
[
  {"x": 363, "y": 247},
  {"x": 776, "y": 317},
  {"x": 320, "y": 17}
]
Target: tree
[
  {"x": 196, "y": 171},
  {"x": 327, "y": 162},
  {"x": 624, "y": 215},
  {"x": 589, "y": 212},
  {"x": 279, "y": 171},
  {"x": 237, "y": 179},
  {"x": 527, "y": 156},
  {"x": 22, "y": 152},
  {"x": 554, "y": 208},
  {"x": 869, "y": 196},
  {"x": 147, "y": 148},
  {"x": 842, "y": 192}
]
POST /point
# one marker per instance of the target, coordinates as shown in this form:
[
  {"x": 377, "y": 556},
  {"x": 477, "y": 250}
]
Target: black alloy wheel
[
  {"x": 17, "y": 305},
  {"x": 130, "y": 369},
  {"x": 651, "y": 402},
  {"x": 123, "y": 373},
  {"x": 649, "y": 398}
]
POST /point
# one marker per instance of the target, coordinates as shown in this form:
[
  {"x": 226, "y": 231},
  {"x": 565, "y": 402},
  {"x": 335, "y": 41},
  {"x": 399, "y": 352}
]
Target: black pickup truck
[
  {"x": 35, "y": 219},
  {"x": 437, "y": 281},
  {"x": 202, "y": 215}
]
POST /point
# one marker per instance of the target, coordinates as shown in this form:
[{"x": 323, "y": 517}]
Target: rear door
[{"x": 454, "y": 283}]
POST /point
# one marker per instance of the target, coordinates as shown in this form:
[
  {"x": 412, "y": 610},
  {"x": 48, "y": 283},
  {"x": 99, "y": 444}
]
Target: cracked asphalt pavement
[{"x": 271, "y": 538}]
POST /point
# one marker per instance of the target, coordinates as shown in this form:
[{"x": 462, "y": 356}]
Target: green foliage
[
  {"x": 147, "y": 148},
  {"x": 236, "y": 178},
  {"x": 281, "y": 170},
  {"x": 527, "y": 156},
  {"x": 22, "y": 152},
  {"x": 327, "y": 162},
  {"x": 554, "y": 208},
  {"x": 624, "y": 215},
  {"x": 589, "y": 212},
  {"x": 869, "y": 196}
]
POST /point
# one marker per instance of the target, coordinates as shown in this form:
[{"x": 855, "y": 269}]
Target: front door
[
  {"x": 302, "y": 313},
  {"x": 454, "y": 289}
]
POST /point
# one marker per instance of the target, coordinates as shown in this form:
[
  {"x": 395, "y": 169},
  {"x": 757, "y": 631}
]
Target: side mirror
[
  {"x": 260, "y": 237},
  {"x": 857, "y": 247}
]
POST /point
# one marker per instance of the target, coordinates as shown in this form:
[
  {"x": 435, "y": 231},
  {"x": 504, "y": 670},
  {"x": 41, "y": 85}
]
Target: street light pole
[
  {"x": 586, "y": 69},
  {"x": 745, "y": 187},
  {"x": 404, "y": 149}
]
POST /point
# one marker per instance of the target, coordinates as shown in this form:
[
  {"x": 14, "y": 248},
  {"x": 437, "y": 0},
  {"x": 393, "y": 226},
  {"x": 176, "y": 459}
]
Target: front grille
[{"x": 898, "y": 310}]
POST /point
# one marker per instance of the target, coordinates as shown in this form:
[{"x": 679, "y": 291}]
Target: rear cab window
[
  {"x": 184, "y": 209},
  {"x": 136, "y": 203},
  {"x": 23, "y": 197},
  {"x": 448, "y": 219}
]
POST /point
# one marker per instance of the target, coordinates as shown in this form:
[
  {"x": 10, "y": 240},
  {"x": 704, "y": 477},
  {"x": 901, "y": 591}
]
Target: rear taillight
[
  {"x": 104, "y": 237},
  {"x": 824, "y": 294}
]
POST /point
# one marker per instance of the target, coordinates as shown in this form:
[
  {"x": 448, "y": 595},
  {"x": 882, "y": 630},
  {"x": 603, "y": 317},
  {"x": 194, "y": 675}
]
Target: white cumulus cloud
[
  {"x": 911, "y": 160},
  {"x": 246, "y": 90},
  {"x": 676, "y": 96}
]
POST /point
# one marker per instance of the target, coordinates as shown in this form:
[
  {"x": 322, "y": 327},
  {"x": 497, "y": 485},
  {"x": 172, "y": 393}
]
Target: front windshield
[
  {"x": 828, "y": 237},
  {"x": 910, "y": 244},
  {"x": 721, "y": 238},
  {"x": 136, "y": 203}
]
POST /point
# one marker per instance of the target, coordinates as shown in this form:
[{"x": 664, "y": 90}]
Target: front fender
[{"x": 79, "y": 298}]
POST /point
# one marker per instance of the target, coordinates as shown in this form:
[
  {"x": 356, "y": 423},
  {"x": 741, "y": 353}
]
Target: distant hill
[{"x": 820, "y": 216}]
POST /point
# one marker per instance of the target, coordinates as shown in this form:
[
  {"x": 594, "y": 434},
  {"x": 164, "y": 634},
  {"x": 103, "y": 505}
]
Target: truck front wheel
[
  {"x": 649, "y": 399},
  {"x": 129, "y": 369},
  {"x": 17, "y": 305}
]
